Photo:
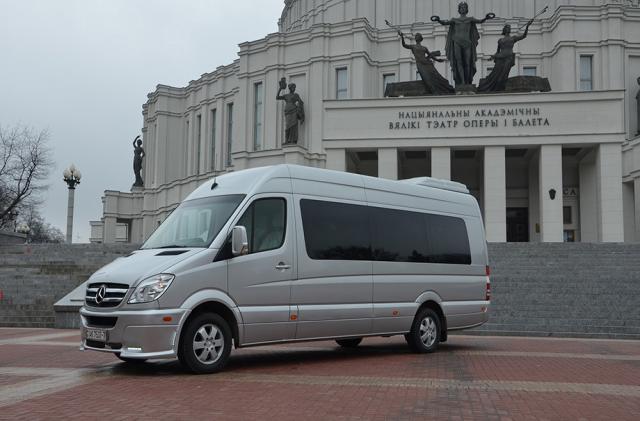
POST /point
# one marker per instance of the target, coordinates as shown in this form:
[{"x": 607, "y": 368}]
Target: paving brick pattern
[{"x": 44, "y": 376}]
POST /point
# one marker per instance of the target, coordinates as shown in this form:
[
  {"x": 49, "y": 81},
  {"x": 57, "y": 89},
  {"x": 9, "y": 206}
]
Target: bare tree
[
  {"x": 39, "y": 231},
  {"x": 25, "y": 162}
]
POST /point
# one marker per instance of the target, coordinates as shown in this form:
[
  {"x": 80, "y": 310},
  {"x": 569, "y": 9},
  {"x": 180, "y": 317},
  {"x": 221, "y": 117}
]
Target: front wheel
[
  {"x": 205, "y": 344},
  {"x": 349, "y": 343},
  {"x": 424, "y": 336}
]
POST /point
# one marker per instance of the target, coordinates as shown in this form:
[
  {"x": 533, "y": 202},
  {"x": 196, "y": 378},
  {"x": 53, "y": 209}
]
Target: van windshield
[{"x": 195, "y": 223}]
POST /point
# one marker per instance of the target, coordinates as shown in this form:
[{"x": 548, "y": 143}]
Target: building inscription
[{"x": 517, "y": 117}]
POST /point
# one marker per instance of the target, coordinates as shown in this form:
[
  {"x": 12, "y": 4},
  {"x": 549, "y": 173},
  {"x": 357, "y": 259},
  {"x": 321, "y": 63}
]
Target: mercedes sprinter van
[{"x": 291, "y": 253}]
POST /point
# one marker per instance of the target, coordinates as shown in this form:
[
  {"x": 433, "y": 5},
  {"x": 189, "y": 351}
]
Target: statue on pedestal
[
  {"x": 433, "y": 81},
  {"x": 462, "y": 41},
  {"x": 138, "y": 154},
  {"x": 293, "y": 111},
  {"x": 504, "y": 60}
]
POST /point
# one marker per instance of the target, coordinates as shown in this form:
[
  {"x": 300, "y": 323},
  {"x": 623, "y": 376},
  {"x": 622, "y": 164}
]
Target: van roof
[{"x": 252, "y": 180}]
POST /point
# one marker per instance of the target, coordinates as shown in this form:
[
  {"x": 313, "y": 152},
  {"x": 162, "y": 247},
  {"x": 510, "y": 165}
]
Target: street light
[
  {"x": 72, "y": 178},
  {"x": 13, "y": 217}
]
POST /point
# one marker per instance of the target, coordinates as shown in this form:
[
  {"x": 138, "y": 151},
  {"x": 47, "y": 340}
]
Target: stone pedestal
[{"x": 466, "y": 89}]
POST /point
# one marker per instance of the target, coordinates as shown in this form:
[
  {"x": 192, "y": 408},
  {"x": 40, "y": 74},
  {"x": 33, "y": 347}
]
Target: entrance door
[
  {"x": 260, "y": 282},
  {"x": 517, "y": 225}
]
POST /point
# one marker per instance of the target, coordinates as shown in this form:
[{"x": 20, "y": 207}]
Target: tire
[
  {"x": 349, "y": 343},
  {"x": 425, "y": 333},
  {"x": 132, "y": 360},
  {"x": 205, "y": 344}
]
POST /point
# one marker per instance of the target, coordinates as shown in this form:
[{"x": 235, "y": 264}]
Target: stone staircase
[
  {"x": 570, "y": 290},
  {"x": 34, "y": 277}
]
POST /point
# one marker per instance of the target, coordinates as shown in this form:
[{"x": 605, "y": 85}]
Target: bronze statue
[
  {"x": 138, "y": 154},
  {"x": 434, "y": 82},
  {"x": 462, "y": 41},
  {"x": 504, "y": 60},
  {"x": 293, "y": 111}
]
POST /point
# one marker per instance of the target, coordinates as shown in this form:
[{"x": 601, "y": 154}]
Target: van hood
[{"x": 141, "y": 264}]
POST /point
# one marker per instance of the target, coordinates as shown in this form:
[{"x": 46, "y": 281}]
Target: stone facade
[{"x": 582, "y": 145}]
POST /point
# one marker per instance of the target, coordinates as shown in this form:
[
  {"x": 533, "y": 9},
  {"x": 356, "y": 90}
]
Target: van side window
[
  {"x": 340, "y": 231},
  {"x": 265, "y": 221},
  {"x": 404, "y": 236},
  {"x": 335, "y": 231},
  {"x": 399, "y": 236},
  {"x": 449, "y": 240}
]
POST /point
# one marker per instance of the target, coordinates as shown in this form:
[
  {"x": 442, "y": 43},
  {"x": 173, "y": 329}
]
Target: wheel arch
[
  {"x": 433, "y": 301},
  {"x": 212, "y": 301}
]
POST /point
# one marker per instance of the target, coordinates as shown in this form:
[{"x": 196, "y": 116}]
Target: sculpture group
[{"x": 461, "y": 52}]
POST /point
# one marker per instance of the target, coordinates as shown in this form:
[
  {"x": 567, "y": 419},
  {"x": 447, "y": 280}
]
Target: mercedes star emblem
[{"x": 102, "y": 292}]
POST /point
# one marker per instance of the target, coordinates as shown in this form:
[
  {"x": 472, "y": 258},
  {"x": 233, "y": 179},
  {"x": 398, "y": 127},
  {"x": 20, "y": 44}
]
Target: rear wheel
[
  {"x": 349, "y": 343},
  {"x": 424, "y": 336},
  {"x": 205, "y": 344}
]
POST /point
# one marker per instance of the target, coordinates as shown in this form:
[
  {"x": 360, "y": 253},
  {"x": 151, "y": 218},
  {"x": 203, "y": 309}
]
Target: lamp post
[
  {"x": 72, "y": 178},
  {"x": 13, "y": 217}
]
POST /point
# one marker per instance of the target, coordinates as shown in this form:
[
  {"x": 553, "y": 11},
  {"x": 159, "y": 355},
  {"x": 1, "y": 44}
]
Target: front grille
[
  {"x": 113, "y": 294},
  {"x": 101, "y": 322}
]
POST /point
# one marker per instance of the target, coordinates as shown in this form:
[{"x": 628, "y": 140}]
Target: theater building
[{"x": 545, "y": 166}]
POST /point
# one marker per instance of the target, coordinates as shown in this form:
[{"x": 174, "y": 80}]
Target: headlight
[{"x": 151, "y": 289}]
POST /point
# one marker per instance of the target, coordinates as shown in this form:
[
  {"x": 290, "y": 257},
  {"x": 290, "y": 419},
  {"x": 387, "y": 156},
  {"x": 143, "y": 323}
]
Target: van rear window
[{"x": 341, "y": 231}]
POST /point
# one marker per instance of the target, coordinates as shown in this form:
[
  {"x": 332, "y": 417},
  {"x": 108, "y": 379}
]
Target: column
[
  {"x": 109, "y": 230},
  {"x": 495, "y": 194},
  {"x": 550, "y": 176},
  {"x": 588, "y": 199},
  {"x": 636, "y": 195},
  {"x": 388, "y": 163},
  {"x": 609, "y": 186},
  {"x": 336, "y": 159},
  {"x": 534, "y": 198},
  {"x": 70, "y": 203},
  {"x": 441, "y": 163},
  {"x": 136, "y": 231}
]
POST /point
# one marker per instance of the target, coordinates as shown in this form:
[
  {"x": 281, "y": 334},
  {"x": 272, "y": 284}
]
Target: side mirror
[{"x": 239, "y": 242}]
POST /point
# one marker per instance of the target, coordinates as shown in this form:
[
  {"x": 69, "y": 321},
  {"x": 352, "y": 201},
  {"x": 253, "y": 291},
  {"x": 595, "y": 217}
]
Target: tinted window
[
  {"x": 335, "y": 231},
  {"x": 399, "y": 236},
  {"x": 338, "y": 231},
  {"x": 448, "y": 240},
  {"x": 265, "y": 221}
]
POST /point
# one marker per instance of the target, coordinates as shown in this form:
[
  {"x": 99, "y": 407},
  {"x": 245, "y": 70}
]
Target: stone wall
[
  {"x": 34, "y": 277},
  {"x": 9, "y": 237},
  {"x": 570, "y": 290},
  {"x": 576, "y": 290}
]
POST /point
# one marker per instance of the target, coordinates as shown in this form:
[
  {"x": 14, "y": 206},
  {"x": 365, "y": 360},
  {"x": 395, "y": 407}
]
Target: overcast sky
[{"x": 83, "y": 69}]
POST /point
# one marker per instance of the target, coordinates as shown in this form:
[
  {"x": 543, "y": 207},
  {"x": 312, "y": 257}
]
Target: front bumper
[{"x": 144, "y": 334}]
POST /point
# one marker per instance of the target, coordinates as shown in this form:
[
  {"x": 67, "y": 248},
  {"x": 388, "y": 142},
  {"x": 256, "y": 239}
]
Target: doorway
[{"x": 517, "y": 225}]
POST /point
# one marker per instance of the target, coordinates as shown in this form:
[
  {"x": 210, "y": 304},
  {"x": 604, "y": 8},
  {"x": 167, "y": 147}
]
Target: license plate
[{"x": 97, "y": 335}]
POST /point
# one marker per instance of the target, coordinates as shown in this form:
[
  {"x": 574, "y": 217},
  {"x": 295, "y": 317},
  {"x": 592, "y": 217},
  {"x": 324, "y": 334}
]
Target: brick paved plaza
[{"x": 43, "y": 375}]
